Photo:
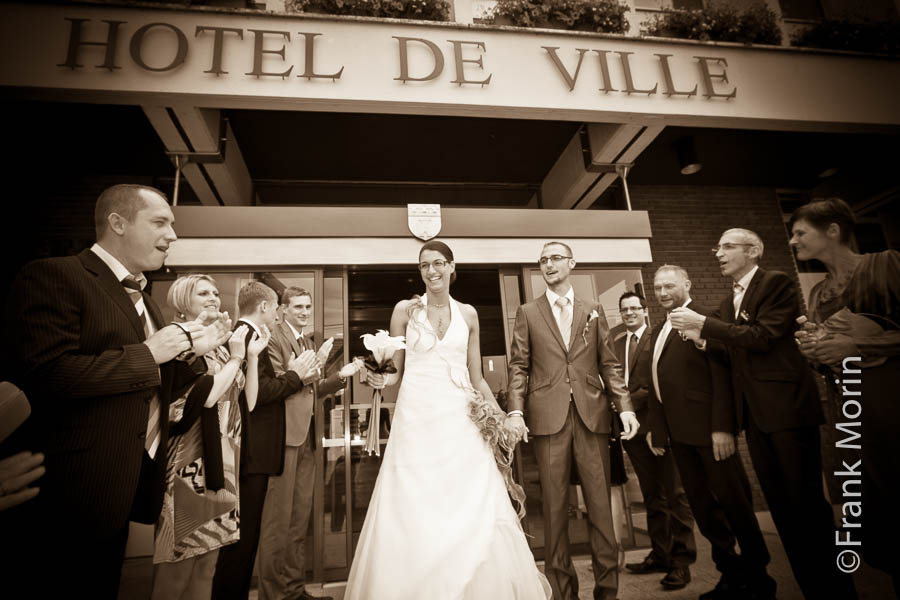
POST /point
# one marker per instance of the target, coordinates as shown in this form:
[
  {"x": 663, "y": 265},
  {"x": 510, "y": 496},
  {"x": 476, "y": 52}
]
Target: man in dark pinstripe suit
[{"x": 98, "y": 366}]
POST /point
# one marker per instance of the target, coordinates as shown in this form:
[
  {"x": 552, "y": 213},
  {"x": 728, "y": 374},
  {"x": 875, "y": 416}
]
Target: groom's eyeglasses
[
  {"x": 554, "y": 257},
  {"x": 437, "y": 264}
]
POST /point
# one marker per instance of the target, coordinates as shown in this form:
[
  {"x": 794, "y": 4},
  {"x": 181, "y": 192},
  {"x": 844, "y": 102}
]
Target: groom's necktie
[
  {"x": 565, "y": 319},
  {"x": 134, "y": 286}
]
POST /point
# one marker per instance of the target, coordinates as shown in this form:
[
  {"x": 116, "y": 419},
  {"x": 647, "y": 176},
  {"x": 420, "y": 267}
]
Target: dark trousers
[
  {"x": 789, "y": 467},
  {"x": 669, "y": 519},
  {"x": 554, "y": 454},
  {"x": 721, "y": 500},
  {"x": 234, "y": 568}
]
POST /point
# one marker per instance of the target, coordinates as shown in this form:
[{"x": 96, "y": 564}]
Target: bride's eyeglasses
[{"x": 437, "y": 264}]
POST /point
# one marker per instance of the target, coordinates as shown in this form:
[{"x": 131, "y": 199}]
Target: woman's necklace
[{"x": 440, "y": 325}]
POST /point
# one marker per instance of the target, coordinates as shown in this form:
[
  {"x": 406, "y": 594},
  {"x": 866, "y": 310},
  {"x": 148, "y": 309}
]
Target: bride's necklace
[{"x": 441, "y": 328}]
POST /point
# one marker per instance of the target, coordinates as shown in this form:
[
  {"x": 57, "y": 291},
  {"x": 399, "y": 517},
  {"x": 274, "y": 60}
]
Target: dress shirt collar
[
  {"x": 293, "y": 329},
  {"x": 745, "y": 280},
  {"x": 639, "y": 332},
  {"x": 553, "y": 296},
  {"x": 112, "y": 262}
]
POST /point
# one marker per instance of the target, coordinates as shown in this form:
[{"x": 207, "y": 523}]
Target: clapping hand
[
  {"x": 236, "y": 346},
  {"x": 258, "y": 342},
  {"x": 324, "y": 351},
  {"x": 215, "y": 330},
  {"x": 304, "y": 365},
  {"x": 172, "y": 340}
]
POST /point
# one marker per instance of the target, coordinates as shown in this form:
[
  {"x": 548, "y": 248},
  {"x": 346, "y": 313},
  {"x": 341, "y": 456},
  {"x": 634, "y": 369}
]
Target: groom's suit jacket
[
  {"x": 298, "y": 406},
  {"x": 542, "y": 371},
  {"x": 78, "y": 355}
]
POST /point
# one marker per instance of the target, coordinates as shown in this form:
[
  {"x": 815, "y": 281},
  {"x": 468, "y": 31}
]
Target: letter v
[{"x": 570, "y": 79}]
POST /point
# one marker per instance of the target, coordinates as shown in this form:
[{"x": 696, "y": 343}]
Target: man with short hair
[
  {"x": 777, "y": 402},
  {"x": 691, "y": 411},
  {"x": 563, "y": 374},
  {"x": 669, "y": 520},
  {"x": 285, "y": 519},
  {"x": 262, "y": 441},
  {"x": 97, "y": 362}
]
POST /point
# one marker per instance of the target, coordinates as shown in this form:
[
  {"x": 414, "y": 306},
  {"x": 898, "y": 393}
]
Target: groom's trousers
[{"x": 554, "y": 454}]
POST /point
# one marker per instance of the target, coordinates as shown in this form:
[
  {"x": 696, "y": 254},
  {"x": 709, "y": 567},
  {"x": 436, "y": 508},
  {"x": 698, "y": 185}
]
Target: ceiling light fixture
[{"x": 687, "y": 155}]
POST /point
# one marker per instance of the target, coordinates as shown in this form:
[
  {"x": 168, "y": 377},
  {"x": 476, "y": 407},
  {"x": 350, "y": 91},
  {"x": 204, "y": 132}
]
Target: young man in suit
[
  {"x": 562, "y": 375},
  {"x": 285, "y": 520},
  {"x": 262, "y": 442},
  {"x": 776, "y": 401},
  {"x": 691, "y": 411},
  {"x": 669, "y": 519},
  {"x": 97, "y": 362}
]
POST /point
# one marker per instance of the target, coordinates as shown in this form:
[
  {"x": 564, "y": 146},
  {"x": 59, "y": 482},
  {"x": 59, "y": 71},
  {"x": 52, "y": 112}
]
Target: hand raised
[
  {"x": 324, "y": 351},
  {"x": 215, "y": 330},
  {"x": 258, "y": 342},
  {"x": 351, "y": 368},
  {"x": 236, "y": 347}
]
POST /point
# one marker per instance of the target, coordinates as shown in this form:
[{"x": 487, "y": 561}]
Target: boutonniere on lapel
[
  {"x": 594, "y": 314},
  {"x": 744, "y": 315}
]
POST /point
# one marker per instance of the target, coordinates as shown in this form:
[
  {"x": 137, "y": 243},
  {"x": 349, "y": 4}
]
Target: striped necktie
[{"x": 134, "y": 286}]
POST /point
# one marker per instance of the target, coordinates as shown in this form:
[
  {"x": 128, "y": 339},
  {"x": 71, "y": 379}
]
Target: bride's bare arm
[{"x": 474, "y": 355}]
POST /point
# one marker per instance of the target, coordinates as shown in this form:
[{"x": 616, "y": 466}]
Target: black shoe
[
  {"x": 725, "y": 590},
  {"x": 650, "y": 564},
  {"x": 677, "y": 578}
]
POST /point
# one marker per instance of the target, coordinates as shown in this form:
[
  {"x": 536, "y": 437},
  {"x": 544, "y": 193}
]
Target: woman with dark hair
[
  {"x": 440, "y": 524},
  {"x": 200, "y": 506},
  {"x": 855, "y": 330}
]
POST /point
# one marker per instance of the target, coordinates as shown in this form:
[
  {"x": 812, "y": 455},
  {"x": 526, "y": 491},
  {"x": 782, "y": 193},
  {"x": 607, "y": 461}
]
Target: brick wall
[{"x": 686, "y": 223}]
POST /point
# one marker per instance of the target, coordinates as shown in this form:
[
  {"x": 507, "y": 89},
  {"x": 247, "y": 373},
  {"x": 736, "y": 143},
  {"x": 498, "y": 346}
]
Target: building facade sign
[{"x": 244, "y": 59}]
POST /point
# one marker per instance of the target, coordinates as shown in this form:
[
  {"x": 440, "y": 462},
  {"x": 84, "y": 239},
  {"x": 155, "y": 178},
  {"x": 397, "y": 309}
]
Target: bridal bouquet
[{"x": 381, "y": 347}]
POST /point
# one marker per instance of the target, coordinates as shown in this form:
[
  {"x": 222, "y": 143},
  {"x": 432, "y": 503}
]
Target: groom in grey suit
[{"x": 563, "y": 374}]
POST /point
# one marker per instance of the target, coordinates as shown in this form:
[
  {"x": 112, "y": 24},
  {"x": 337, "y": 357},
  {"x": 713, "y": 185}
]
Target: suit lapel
[
  {"x": 295, "y": 345},
  {"x": 154, "y": 311},
  {"x": 578, "y": 319},
  {"x": 544, "y": 307},
  {"x": 749, "y": 296},
  {"x": 114, "y": 288}
]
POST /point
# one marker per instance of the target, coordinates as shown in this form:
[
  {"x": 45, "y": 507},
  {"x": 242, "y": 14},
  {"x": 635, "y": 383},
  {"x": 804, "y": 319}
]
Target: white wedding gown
[{"x": 440, "y": 524}]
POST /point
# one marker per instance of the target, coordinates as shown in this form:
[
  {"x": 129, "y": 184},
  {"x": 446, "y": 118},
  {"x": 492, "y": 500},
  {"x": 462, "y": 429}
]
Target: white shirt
[
  {"x": 638, "y": 333},
  {"x": 121, "y": 273},
  {"x": 739, "y": 296},
  {"x": 658, "y": 348}
]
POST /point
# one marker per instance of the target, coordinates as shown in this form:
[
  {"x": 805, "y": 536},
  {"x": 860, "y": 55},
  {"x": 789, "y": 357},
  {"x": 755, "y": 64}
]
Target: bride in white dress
[{"x": 440, "y": 524}]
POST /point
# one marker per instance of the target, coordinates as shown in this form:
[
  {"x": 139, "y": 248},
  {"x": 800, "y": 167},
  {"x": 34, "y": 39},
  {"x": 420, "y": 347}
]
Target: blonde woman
[{"x": 200, "y": 506}]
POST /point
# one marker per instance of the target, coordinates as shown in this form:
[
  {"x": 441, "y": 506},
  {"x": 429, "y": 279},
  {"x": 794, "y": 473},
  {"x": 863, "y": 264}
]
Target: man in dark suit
[
  {"x": 285, "y": 519},
  {"x": 92, "y": 353},
  {"x": 776, "y": 401},
  {"x": 562, "y": 376},
  {"x": 262, "y": 441},
  {"x": 669, "y": 520},
  {"x": 691, "y": 410}
]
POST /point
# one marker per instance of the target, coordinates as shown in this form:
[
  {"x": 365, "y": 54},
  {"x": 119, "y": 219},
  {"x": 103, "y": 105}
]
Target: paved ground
[{"x": 870, "y": 583}]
